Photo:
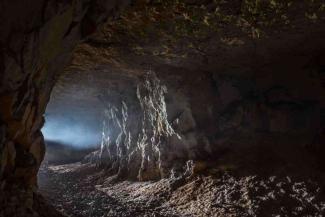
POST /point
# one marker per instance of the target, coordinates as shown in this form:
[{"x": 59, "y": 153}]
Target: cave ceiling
[{"x": 185, "y": 39}]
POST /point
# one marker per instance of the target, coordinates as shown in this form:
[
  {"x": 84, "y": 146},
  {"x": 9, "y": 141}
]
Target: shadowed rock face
[
  {"x": 36, "y": 41},
  {"x": 249, "y": 95}
]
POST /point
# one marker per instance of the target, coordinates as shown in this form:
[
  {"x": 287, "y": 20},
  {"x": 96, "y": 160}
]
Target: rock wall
[
  {"x": 244, "y": 83},
  {"x": 36, "y": 40},
  {"x": 257, "y": 109}
]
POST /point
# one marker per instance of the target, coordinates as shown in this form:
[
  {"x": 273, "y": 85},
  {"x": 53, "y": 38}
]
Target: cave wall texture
[
  {"x": 248, "y": 96},
  {"x": 236, "y": 100},
  {"x": 261, "y": 115},
  {"x": 36, "y": 40}
]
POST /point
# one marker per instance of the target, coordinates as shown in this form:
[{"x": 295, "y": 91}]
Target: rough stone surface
[
  {"x": 36, "y": 40},
  {"x": 86, "y": 191},
  {"x": 221, "y": 110},
  {"x": 248, "y": 93}
]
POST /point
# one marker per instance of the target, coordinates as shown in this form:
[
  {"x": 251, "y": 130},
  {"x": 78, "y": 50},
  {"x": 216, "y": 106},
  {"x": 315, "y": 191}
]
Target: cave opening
[
  {"x": 162, "y": 108},
  {"x": 73, "y": 120}
]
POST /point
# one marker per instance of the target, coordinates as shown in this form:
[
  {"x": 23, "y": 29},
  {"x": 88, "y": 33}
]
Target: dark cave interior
[{"x": 162, "y": 108}]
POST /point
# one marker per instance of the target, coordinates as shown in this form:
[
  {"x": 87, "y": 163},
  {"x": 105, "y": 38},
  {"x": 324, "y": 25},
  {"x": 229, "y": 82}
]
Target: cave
[{"x": 162, "y": 108}]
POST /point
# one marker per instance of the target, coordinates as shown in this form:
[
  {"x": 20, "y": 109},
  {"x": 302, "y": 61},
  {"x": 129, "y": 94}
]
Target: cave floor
[{"x": 82, "y": 190}]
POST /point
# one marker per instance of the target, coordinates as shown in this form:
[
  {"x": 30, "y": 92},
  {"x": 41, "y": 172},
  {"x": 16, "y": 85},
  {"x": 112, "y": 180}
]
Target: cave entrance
[
  {"x": 114, "y": 117},
  {"x": 73, "y": 130},
  {"x": 72, "y": 126}
]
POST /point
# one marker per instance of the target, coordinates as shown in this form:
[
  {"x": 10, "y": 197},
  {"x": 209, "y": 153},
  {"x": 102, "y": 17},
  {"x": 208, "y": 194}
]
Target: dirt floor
[{"x": 81, "y": 190}]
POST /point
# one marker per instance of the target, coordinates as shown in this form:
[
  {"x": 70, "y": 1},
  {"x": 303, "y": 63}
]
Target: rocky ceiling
[{"x": 184, "y": 42}]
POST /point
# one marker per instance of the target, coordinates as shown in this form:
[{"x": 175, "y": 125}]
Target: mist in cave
[{"x": 72, "y": 131}]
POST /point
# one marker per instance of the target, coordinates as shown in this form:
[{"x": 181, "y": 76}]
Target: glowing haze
[{"x": 79, "y": 133}]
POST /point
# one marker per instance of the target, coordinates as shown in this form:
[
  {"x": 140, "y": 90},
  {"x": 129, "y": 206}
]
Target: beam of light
[{"x": 72, "y": 132}]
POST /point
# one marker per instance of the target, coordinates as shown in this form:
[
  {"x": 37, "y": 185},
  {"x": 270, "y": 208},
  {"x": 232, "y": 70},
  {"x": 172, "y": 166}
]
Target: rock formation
[{"x": 137, "y": 144}]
